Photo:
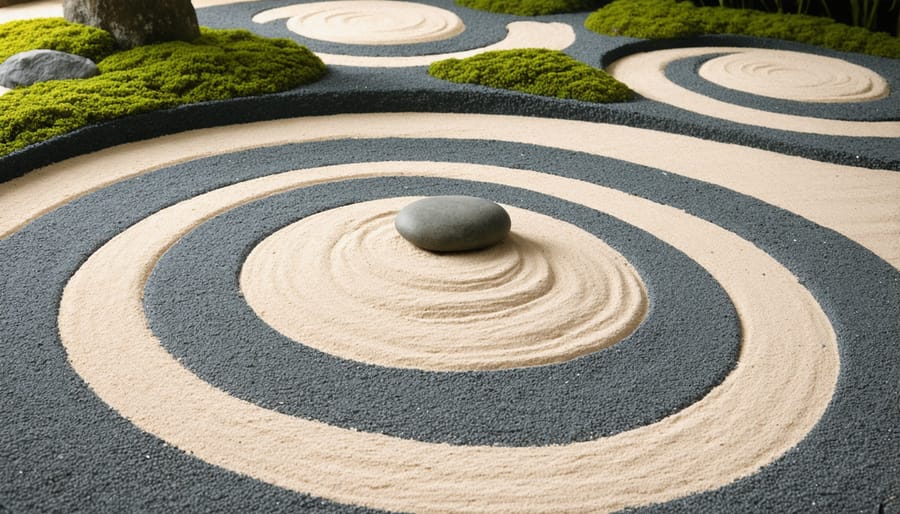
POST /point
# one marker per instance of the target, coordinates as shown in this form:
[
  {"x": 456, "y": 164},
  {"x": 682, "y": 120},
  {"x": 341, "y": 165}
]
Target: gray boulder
[
  {"x": 453, "y": 223},
  {"x": 137, "y": 22},
  {"x": 26, "y": 68}
]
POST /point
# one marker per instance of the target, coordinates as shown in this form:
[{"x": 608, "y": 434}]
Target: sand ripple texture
[
  {"x": 776, "y": 74},
  {"x": 550, "y": 292},
  {"x": 795, "y": 76},
  {"x": 365, "y": 22},
  {"x": 776, "y": 395}
]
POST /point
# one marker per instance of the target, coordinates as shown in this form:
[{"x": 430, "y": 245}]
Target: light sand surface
[
  {"x": 212, "y": 3},
  {"x": 780, "y": 387},
  {"x": 28, "y": 10},
  {"x": 53, "y": 9},
  {"x": 862, "y": 204},
  {"x": 645, "y": 74},
  {"x": 389, "y": 23},
  {"x": 520, "y": 34},
  {"x": 798, "y": 76},
  {"x": 547, "y": 294},
  {"x": 367, "y": 22}
]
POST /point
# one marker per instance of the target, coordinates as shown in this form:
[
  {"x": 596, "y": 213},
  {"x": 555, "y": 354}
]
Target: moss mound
[
  {"x": 221, "y": 64},
  {"x": 530, "y": 7},
  {"x": 55, "y": 34},
  {"x": 660, "y": 19},
  {"x": 535, "y": 71}
]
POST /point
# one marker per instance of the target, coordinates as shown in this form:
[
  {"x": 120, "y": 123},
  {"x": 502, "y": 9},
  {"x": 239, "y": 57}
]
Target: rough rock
[
  {"x": 453, "y": 223},
  {"x": 26, "y": 68},
  {"x": 137, "y": 22}
]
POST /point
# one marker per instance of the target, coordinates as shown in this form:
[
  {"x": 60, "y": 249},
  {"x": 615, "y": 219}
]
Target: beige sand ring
[
  {"x": 314, "y": 20},
  {"x": 795, "y": 76},
  {"x": 367, "y": 22},
  {"x": 778, "y": 390},
  {"x": 862, "y": 204},
  {"x": 520, "y": 34},
  {"x": 549, "y": 293},
  {"x": 645, "y": 73}
]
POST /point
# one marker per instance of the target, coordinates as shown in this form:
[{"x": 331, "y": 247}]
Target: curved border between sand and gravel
[
  {"x": 94, "y": 327},
  {"x": 860, "y": 203},
  {"x": 549, "y": 293},
  {"x": 521, "y": 34},
  {"x": 797, "y": 76},
  {"x": 366, "y": 22},
  {"x": 644, "y": 73}
]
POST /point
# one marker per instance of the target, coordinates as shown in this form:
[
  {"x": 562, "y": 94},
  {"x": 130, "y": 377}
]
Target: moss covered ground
[
  {"x": 55, "y": 34},
  {"x": 219, "y": 65},
  {"x": 530, "y": 7},
  {"x": 535, "y": 71},
  {"x": 661, "y": 19}
]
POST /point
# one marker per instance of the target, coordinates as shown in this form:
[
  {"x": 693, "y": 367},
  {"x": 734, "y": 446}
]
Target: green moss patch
[
  {"x": 530, "y": 7},
  {"x": 55, "y": 34},
  {"x": 660, "y": 19},
  {"x": 221, "y": 64},
  {"x": 535, "y": 71}
]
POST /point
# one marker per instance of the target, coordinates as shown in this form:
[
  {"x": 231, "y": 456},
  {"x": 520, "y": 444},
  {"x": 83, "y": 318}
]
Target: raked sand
[
  {"x": 761, "y": 388},
  {"x": 343, "y": 283}
]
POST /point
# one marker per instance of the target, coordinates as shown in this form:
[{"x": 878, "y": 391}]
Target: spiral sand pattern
[
  {"x": 778, "y": 390},
  {"x": 366, "y": 22},
  {"x": 136, "y": 357},
  {"x": 549, "y": 293},
  {"x": 775, "y": 395},
  {"x": 795, "y": 76},
  {"x": 520, "y": 34},
  {"x": 645, "y": 73}
]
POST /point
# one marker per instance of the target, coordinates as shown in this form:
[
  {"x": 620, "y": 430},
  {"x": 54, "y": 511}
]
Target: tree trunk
[{"x": 137, "y": 22}]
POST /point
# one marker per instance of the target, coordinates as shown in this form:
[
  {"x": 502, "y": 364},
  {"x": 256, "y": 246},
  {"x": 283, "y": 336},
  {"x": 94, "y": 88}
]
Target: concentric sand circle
[
  {"x": 380, "y": 23},
  {"x": 198, "y": 279},
  {"x": 644, "y": 72},
  {"x": 549, "y": 293},
  {"x": 779, "y": 391},
  {"x": 367, "y": 22},
  {"x": 795, "y": 76}
]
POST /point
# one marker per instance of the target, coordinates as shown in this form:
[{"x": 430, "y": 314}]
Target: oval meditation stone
[{"x": 453, "y": 223}]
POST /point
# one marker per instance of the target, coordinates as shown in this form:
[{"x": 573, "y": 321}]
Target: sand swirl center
[
  {"x": 367, "y": 22},
  {"x": 795, "y": 76},
  {"x": 345, "y": 282}
]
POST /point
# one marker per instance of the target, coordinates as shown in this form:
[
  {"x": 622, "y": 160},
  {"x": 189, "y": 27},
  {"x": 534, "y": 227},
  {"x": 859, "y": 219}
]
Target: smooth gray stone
[
  {"x": 137, "y": 22},
  {"x": 453, "y": 223},
  {"x": 33, "y": 66}
]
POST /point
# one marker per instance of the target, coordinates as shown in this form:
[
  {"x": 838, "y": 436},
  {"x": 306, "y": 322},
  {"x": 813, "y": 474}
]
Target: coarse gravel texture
[{"x": 62, "y": 448}]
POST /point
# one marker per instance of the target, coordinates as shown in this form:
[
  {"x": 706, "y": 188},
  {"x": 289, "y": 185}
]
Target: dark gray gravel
[{"x": 64, "y": 450}]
